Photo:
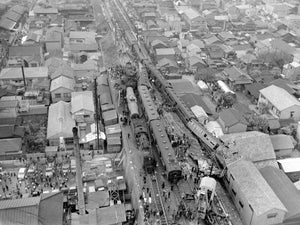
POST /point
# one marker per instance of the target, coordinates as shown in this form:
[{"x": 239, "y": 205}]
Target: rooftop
[
  {"x": 62, "y": 82},
  {"x": 114, "y": 214},
  {"x": 60, "y": 121},
  {"x": 285, "y": 190},
  {"x": 10, "y": 145},
  {"x": 165, "y": 51},
  {"x": 254, "y": 187},
  {"x": 290, "y": 165},
  {"x": 231, "y": 117},
  {"x": 191, "y": 13},
  {"x": 282, "y": 141},
  {"x": 41, "y": 10},
  {"x": 30, "y": 73},
  {"x": 82, "y": 101},
  {"x": 279, "y": 97},
  {"x": 253, "y": 146},
  {"x": 18, "y": 203}
]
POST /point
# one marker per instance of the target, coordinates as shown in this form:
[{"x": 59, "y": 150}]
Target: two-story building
[
  {"x": 61, "y": 89},
  {"x": 194, "y": 20},
  {"x": 279, "y": 102},
  {"x": 82, "y": 107},
  {"x": 26, "y": 55}
]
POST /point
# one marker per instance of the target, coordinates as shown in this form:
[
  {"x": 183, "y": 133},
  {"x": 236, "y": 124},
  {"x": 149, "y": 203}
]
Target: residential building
[
  {"x": 169, "y": 65},
  {"x": 63, "y": 70},
  {"x": 87, "y": 69},
  {"x": 237, "y": 79},
  {"x": 53, "y": 63},
  {"x": 155, "y": 44},
  {"x": 82, "y": 106},
  {"x": 44, "y": 12},
  {"x": 232, "y": 121},
  {"x": 291, "y": 71},
  {"x": 283, "y": 145},
  {"x": 60, "y": 125},
  {"x": 280, "y": 103},
  {"x": 32, "y": 75},
  {"x": 286, "y": 191},
  {"x": 61, "y": 89},
  {"x": 253, "y": 197},
  {"x": 54, "y": 39},
  {"x": 195, "y": 63},
  {"x": 194, "y": 20},
  {"x": 168, "y": 53},
  {"x": 182, "y": 44},
  {"x": 82, "y": 41},
  {"x": 26, "y": 55}
]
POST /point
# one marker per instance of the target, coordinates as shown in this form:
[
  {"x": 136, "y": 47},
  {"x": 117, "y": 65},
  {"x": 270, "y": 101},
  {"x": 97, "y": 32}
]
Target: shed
[
  {"x": 283, "y": 145},
  {"x": 200, "y": 114},
  {"x": 110, "y": 117},
  {"x": 202, "y": 85},
  {"x": 232, "y": 121},
  {"x": 215, "y": 128}
]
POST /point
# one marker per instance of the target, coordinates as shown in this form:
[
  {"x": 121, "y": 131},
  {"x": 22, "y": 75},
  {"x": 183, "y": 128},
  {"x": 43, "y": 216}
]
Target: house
[
  {"x": 26, "y": 55},
  {"x": 252, "y": 90},
  {"x": 15, "y": 76},
  {"x": 53, "y": 63},
  {"x": 60, "y": 125},
  {"x": 226, "y": 36},
  {"x": 193, "y": 50},
  {"x": 286, "y": 191},
  {"x": 291, "y": 71},
  {"x": 215, "y": 52},
  {"x": 232, "y": 121},
  {"x": 194, "y": 20},
  {"x": 280, "y": 103},
  {"x": 170, "y": 65},
  {"x": 168, "y": 53},
  {"x": 82, "y": 106},
  {"x": 86, "y": 69},
  {"x": 155, "y": 44},
  {"x": 63, "y": 70},
  {"x": 212, "y": 40},
  {"x": 237, "y": 79},
  {"x": 194, "y": 63},
  {"x": 11, "y": 148},
  {"x": 253, "y": 197},
  {"x": 44, "y": 12},
  {"x": 280, "y": 45},
  {"x": 283, "y": 145},
  {"x": 54, "y": 39},
  {"x": 82, "y": 41},
  {"x": 48, "y": 207},
  {"x": 61, "y": 89}
]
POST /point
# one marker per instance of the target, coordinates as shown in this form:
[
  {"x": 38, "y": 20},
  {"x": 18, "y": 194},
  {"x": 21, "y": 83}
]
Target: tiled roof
[
  {"x": 282, "y": 141},
  {"x": 62, "y": 82},
  {"x": 165, "y": 51},
  {"x": 82, "y": 101},
  {"x": 231, "y": 117}
]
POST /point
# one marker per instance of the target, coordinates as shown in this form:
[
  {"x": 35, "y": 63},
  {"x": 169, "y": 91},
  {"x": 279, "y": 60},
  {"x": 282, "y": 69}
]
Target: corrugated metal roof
[
  {"x": 111, "y": 215},
  {"x": 254, "y": 187},
  {"x": 21, "y": 202}
]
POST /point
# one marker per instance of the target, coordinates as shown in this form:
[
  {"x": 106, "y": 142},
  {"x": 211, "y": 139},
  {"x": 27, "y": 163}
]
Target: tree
[
  {"x": 263, "y": 108},
  {"x": 259, "y": 123},
  {"x": 228, "y": 99},
  {"x": 275, "y": 58}
]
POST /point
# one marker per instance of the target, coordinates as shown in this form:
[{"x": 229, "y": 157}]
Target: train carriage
[
  {"x": 165, "y": 151},
  {"x": 148, "y": 105},
  {"x": 132, "y": 103}
]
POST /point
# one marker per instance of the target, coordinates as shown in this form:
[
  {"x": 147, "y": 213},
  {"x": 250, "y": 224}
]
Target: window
[
  {"x": 58, "y": 95},
  {"x": 271, "y": 215},
  {"x": 292, "y": 114},
  {"x": 241, "y": 204},
  {"x": 33, "y": 64},
  {"x": 233, "y": 191},
  {"x": 67, "y": 95},
  {"x": 86, "y": 116}
]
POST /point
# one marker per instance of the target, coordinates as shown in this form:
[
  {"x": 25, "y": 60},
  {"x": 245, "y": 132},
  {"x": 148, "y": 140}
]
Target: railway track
[{"x": 152, "y": 179}]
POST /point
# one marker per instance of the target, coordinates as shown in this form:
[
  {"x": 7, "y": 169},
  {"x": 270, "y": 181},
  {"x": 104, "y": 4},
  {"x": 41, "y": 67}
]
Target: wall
[
  {"x": 61, "y": 91},
  {"x": 286, "y": 114},
  {"x": 51, "y": 46},
  {"x": 283, "y": 152}
]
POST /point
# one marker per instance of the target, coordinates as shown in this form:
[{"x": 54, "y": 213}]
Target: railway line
[{"x": 210, "y": 143}]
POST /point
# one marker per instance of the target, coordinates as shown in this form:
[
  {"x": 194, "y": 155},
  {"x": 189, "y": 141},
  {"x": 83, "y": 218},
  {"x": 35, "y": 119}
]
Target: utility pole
[
  {"x": 97, "y": 111},
  {"x": 80, "y": 202}
]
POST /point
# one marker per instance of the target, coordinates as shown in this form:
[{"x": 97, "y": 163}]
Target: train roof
[
  {"x": 164, "y": 145},
  {"x": 150, "y": 107},
  {"x": 143, "y": 77},
  {"x": 158, "y": 75},
  {"x": 130, "y": 94}
]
